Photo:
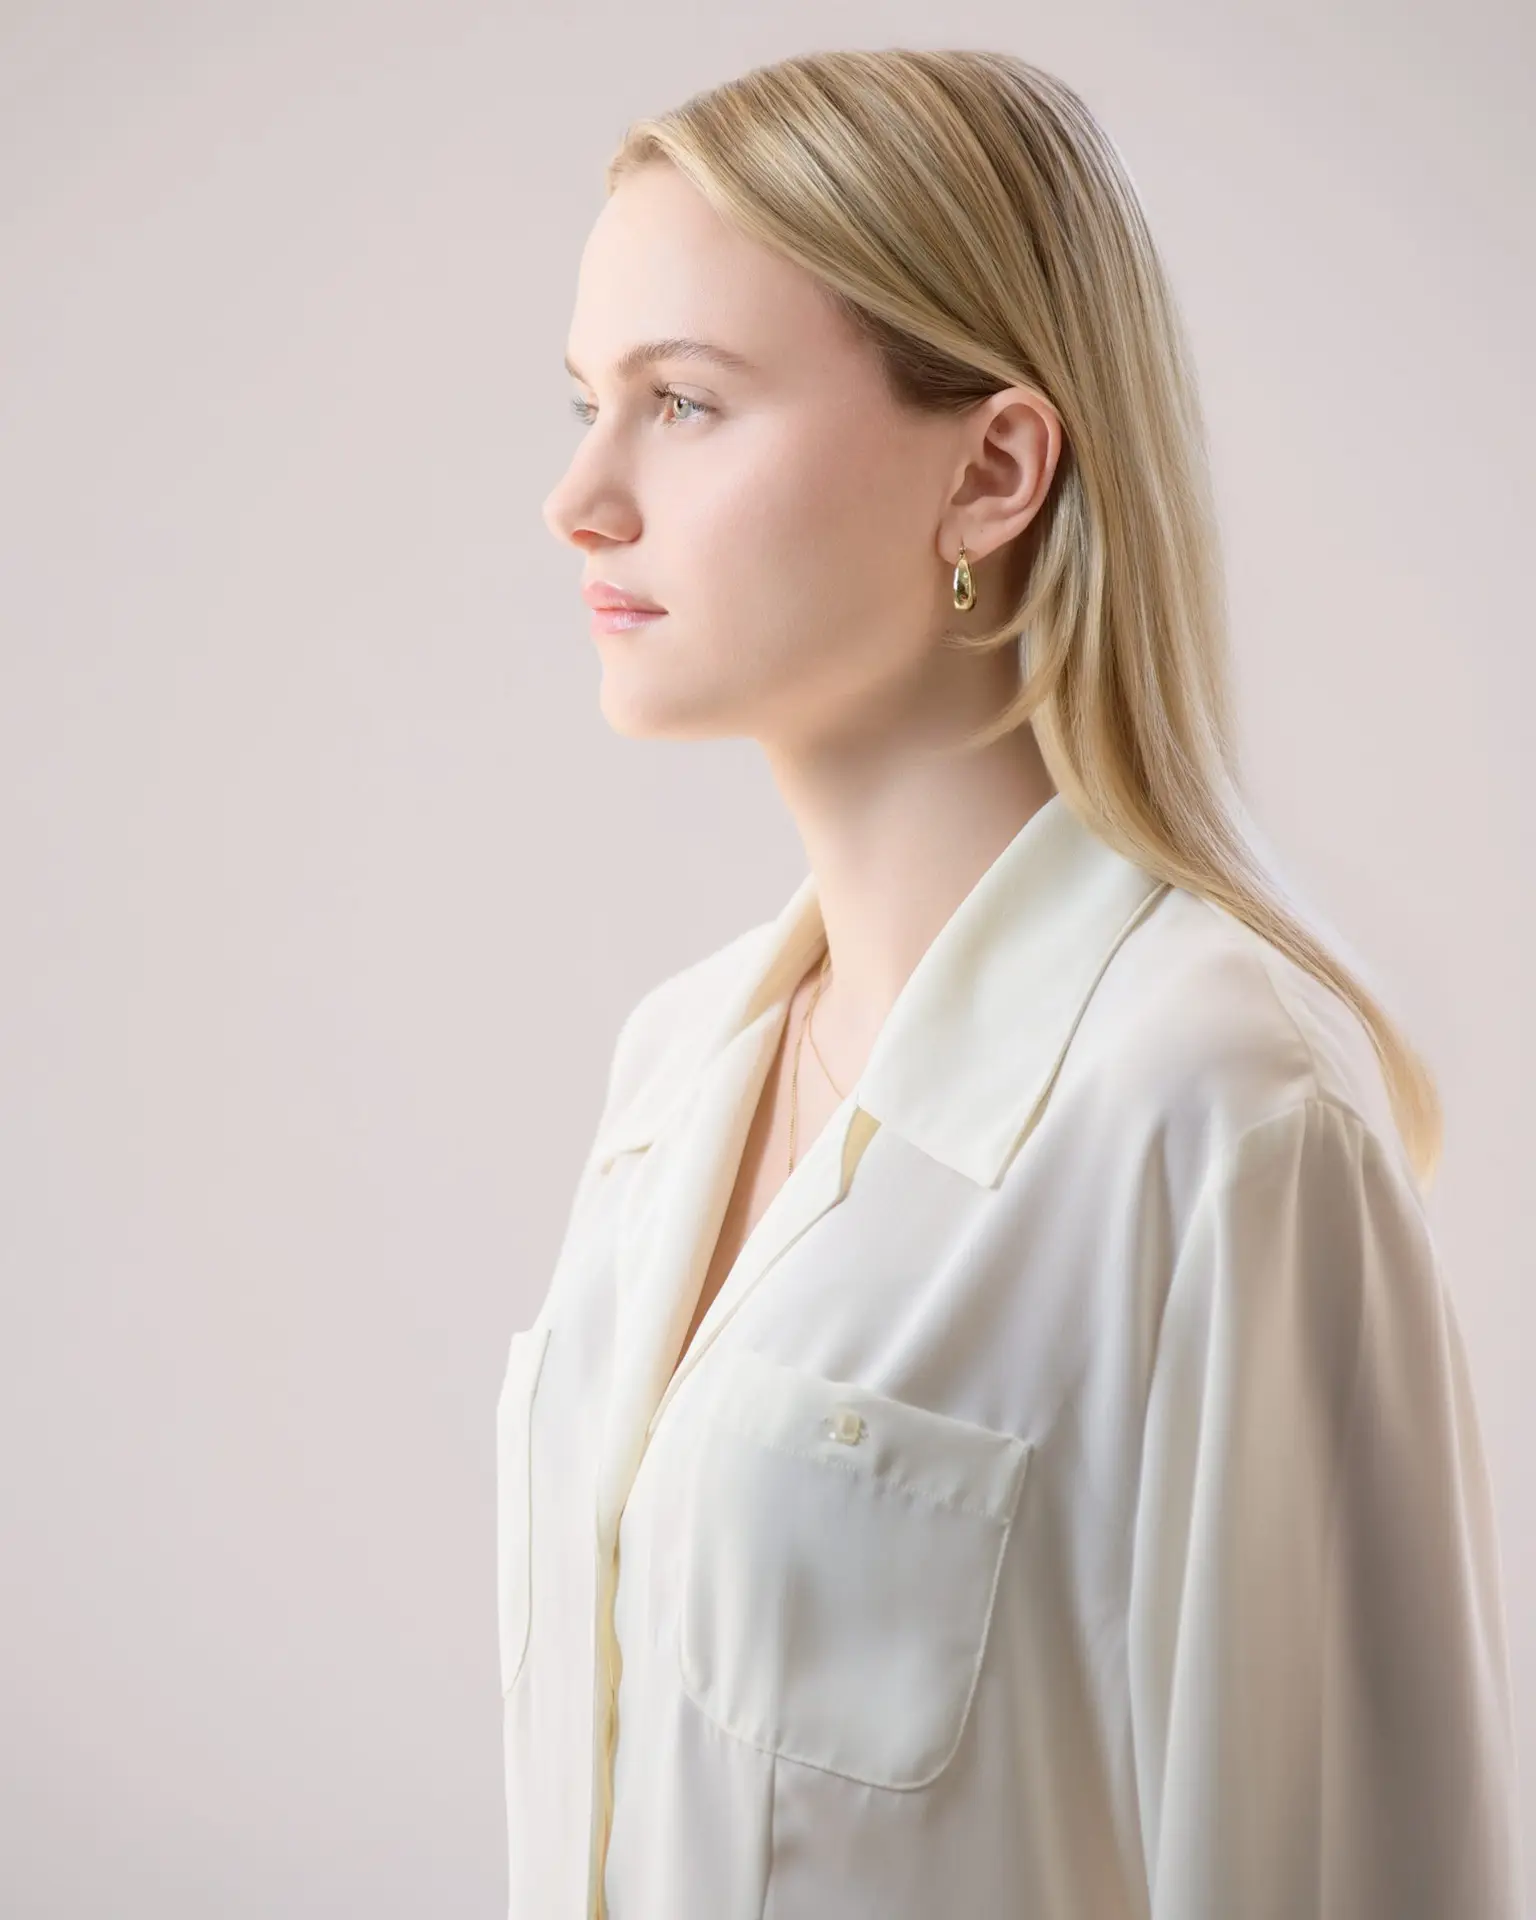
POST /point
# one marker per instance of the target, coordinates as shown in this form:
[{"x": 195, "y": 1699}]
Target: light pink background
[{"x": 325, "y": 885}]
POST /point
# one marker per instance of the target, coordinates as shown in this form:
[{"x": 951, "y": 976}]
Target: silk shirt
[{"x": 1072, "y": 1506}]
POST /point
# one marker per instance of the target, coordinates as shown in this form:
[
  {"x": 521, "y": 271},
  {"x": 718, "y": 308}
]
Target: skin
[{"x": 802, "y": 537}]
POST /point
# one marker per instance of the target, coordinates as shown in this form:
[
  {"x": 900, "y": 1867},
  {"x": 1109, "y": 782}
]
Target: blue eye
[
  {"x": 585, "y": 413},
  {"x": 668, "y": 393}
]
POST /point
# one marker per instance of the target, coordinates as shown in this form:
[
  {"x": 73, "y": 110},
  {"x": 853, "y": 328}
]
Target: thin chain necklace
[{"x": 805, "y": 1029}]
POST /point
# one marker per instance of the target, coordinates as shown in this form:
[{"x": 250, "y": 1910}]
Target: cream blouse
[{"x": 1072, "y": 1506}]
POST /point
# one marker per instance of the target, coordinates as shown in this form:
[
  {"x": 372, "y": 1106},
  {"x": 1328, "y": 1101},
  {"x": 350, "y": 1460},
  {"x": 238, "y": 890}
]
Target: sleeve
[{"x": 1320, "y": 1704}]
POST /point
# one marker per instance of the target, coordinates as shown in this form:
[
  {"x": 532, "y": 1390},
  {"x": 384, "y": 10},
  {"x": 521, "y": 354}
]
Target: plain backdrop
[{"x": 324, "y": 886}]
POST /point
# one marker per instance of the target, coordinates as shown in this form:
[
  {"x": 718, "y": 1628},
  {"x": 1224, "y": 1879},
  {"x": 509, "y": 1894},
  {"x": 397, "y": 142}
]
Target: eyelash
[{"x": 584, "y": 412}]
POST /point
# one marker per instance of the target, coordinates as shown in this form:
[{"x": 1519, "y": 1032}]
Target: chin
[{"x": 638, "y": 713}]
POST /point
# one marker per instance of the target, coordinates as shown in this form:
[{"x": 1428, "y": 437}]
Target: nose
[
  {"x": 585, "y": 510},
  {"x": 554, "y": 512}
]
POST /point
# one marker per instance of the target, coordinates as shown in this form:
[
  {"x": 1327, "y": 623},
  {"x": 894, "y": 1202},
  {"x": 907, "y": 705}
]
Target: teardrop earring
[{"x": 965, "y": 586}]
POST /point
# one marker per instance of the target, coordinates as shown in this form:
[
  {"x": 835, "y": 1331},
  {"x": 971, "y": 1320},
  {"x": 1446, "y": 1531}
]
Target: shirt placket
[
  {"x": 609, "y": 1666},
  {"x": 833, "y": 1176}
]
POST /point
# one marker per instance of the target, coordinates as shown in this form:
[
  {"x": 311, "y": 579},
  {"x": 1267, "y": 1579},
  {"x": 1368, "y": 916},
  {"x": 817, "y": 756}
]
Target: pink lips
[
  {"x": 618, "y": 619},
  {"x": 614, "y": 610}
]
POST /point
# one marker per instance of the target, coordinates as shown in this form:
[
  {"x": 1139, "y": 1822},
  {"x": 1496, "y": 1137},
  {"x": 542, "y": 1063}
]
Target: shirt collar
[{"x": 971, "y": 1044}]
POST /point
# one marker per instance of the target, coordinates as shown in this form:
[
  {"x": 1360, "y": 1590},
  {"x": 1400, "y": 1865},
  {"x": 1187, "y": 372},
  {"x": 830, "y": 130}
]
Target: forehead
[{"x": 660, "y": 266}]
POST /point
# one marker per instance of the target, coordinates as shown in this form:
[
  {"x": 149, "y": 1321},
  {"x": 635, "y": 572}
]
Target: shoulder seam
[
  {"x": 1222, "y": 1166},
  {"x": 1219, "y": 1172}
]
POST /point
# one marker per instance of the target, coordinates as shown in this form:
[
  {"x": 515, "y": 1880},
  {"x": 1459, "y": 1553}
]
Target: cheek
[{"x": 808, "y": 544}]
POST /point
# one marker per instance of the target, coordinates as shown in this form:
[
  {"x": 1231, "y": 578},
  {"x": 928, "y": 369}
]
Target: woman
[{"x": 996, "y": 1440}]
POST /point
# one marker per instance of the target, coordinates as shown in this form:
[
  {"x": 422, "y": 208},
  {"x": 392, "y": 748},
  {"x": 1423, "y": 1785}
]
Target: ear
[{"x": 1012, "y": 448}]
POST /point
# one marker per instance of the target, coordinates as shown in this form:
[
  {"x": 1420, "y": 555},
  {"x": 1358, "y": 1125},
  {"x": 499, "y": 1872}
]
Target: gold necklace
[{"x": 794, "y": 1076}]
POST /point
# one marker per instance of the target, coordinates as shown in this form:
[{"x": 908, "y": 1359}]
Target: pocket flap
[{"x": 933, "y": 1456}]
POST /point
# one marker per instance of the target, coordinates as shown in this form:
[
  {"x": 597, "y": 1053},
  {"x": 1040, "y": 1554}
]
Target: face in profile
[{"x": 788, "y": 514}]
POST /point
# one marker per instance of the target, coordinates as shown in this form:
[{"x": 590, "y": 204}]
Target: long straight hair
[{"x": 969, "y": 216}]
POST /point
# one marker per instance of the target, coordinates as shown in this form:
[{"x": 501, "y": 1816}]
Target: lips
[{"x": 603, "y": 596}]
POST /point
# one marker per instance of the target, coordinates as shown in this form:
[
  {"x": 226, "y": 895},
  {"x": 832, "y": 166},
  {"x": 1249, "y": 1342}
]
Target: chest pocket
[
  {"x": 514, "y": 1496},
  {"x": 842, "y": 1553}
]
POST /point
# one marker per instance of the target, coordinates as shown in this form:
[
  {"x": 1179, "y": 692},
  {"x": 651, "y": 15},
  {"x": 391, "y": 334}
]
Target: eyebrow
[{"x": 678, "y": 347}]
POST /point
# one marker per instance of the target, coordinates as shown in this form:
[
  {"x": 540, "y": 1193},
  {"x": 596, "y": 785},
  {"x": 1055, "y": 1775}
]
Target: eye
[
  {"x": 586, "y": 413},
  {"x": 671, "y": 393}
]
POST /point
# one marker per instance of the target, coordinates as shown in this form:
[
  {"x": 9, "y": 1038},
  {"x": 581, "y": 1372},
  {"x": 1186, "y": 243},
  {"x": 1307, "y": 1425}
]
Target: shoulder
[
  {"x": 1203, "y": 1030},
  {"x": 1232, "y": 1112}
]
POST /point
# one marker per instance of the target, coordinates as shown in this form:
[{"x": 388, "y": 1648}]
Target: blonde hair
[{"x": 968, "y": 215}]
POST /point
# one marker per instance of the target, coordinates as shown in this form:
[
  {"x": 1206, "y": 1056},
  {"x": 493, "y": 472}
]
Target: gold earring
[{"x": 965, "y": 586}]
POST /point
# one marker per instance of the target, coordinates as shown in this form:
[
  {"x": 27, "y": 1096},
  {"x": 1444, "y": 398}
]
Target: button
[{"x": 844, "y": 1424}]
